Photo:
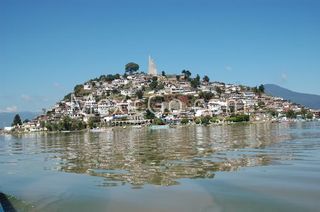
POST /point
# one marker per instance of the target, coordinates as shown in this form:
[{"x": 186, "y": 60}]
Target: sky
[{"x": 49, "y": 46}]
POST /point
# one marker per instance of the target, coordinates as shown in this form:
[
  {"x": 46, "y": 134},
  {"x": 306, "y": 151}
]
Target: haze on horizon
[{"x": 47, "y": 47}]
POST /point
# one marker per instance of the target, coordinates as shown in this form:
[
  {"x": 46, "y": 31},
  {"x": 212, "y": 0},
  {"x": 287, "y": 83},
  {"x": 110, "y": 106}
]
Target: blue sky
[{"x": 47, "y": 47}]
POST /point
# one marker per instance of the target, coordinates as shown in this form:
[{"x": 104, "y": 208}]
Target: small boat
[
  {"x": 97, "y": 130},
  {"x": 158, "y": 127}
]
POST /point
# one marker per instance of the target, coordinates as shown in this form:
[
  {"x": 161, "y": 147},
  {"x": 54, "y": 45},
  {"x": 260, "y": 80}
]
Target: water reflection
[{"x": 141, "y": 156}]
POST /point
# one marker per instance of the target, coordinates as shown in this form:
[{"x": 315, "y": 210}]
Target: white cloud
[
  {"x": 10, "y": 109},
  {"x": 26, "y": 98},
  {"x": 228, "y": 68},
  {"x": 57, "y": 85},
  {"x": 284, "y": 77}
]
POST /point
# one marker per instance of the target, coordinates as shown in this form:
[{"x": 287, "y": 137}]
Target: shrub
[
  {"x": 238, "y": 118},
  {"x": 184, "y": 121}
]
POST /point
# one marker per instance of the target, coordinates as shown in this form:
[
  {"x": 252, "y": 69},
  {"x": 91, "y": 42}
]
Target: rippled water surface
[{"x": 251, "y": 167}]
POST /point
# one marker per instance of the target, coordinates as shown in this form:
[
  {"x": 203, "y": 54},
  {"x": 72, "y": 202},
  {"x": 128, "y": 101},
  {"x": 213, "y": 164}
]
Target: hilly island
[{"x": 161, "y": 100}]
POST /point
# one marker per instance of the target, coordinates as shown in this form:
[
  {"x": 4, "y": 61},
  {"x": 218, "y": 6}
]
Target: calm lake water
[{"x": 250, "y": 167}]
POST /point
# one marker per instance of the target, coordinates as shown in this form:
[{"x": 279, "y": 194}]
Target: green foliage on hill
[
  {"x": 139, "y": 94},
  {"x": 131, "y": 67},
  {"x": 238, "y": 118},
  {"x": 206, "y": 78},
  {"x": 66, "y": 124},
  {"x": 206, "y": 96},
  {"x": 195, "y": 83},
  {"x": 79, "y": 91},
  {"x": 187, "y": 74}
]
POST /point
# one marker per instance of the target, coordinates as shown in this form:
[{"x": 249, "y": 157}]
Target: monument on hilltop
[{"x": 152, "y": 69}]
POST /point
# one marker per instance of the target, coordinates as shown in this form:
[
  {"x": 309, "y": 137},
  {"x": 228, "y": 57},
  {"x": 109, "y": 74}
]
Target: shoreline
[{"x": 172, "y": 126}]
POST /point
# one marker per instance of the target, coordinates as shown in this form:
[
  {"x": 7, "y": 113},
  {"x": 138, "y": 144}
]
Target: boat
[
  {"x": 159, "y": 127},
  {"x": 97, "y": 130}
]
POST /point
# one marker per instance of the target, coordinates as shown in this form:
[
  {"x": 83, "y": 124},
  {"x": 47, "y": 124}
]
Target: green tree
[
  {"x": 303, "y": 112},
  {"x": 255, "y": 90},
  {"x": 153, "y": 85},
  {"x": 187, "y": 74},
  {"x": 205, "y": 120},
  {"x": 206, "y": 96},
  {"x": 78, "y": 89},
  {"x": 273, "y": 113},
  {"x": 149, "y": 115},
  {"x": 42, "y": 124},
  {"x": 218, "y": 90},
  {"x": 131, "y": 67},
  {"x": 197, "y": 121},
  {"x": 158, "y": 121},
  {"x": 139, "y": 94},
  {"x": 66, "y": 123},
  {"x": 291, "y": 114},
  {"x": 67, "y": 97},
  {"x": 16, "y": 120},
  {"x": 109, "y": 78},
  {"x": 206, "y": 79},
  {"x": 184, "y": 121},
  {"x": 93, "y": 122},
  {"x": 261, "y": 88},
  {"x": 309, "y": 115},
  {"x": 238, "y": 118},
  {"x": 163, "y": 73},
  {"x": 195, "y": 83}
]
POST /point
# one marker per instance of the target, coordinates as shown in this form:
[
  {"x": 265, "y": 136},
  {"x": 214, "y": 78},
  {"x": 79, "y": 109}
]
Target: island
[{"x": 138, "y": 99}]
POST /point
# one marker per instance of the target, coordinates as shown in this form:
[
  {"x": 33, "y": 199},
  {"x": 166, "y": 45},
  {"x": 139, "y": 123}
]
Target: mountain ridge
[{"x": 309, "y": 100}]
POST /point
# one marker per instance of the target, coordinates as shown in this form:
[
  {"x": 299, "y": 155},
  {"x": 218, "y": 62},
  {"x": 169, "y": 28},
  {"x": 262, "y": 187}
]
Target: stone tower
[{"x": 152, "y": 69}]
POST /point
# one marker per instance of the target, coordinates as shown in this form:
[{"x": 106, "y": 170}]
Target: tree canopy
[
  {"x": 187, "y": 74},
  {"x": 206, "y": 78},
  {"x": 16, "y": 120},
  {"x": 261, "y": 88},
  {"x": 139, "y": 94},
  {"x": 131, "y": 67},
  {"x": 195, "y": 82}
]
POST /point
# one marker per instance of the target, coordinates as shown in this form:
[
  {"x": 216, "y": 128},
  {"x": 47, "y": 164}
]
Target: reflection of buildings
[{"x": 139, "y": 156}]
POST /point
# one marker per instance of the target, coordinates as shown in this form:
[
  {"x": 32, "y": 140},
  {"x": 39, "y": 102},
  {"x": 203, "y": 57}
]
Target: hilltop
[{"x": 137, "y": 98}]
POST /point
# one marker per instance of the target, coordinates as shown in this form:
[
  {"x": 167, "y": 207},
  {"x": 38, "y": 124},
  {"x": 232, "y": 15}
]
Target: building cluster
[
  {"x": 140, "y": 98},
  {"x": 125, "y": 101}
]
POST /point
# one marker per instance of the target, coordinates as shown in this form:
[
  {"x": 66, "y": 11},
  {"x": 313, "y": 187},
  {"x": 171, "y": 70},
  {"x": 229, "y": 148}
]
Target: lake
[{"x": 242, "y": 167}]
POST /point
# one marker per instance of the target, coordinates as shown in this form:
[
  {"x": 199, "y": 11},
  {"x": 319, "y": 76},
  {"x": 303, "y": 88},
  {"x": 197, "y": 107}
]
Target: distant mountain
[
  {"x": 309, "y": 100},
  {"x": 7, "y": 118}
]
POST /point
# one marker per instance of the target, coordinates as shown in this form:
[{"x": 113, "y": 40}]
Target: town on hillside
[{"x": 139, "y": 99}]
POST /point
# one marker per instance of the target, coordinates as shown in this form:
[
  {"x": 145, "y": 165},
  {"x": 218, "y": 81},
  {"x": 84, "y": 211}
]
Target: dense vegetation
[
  {"x": 66, "y": 124},
  {"x": 238, "y": 118}
]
